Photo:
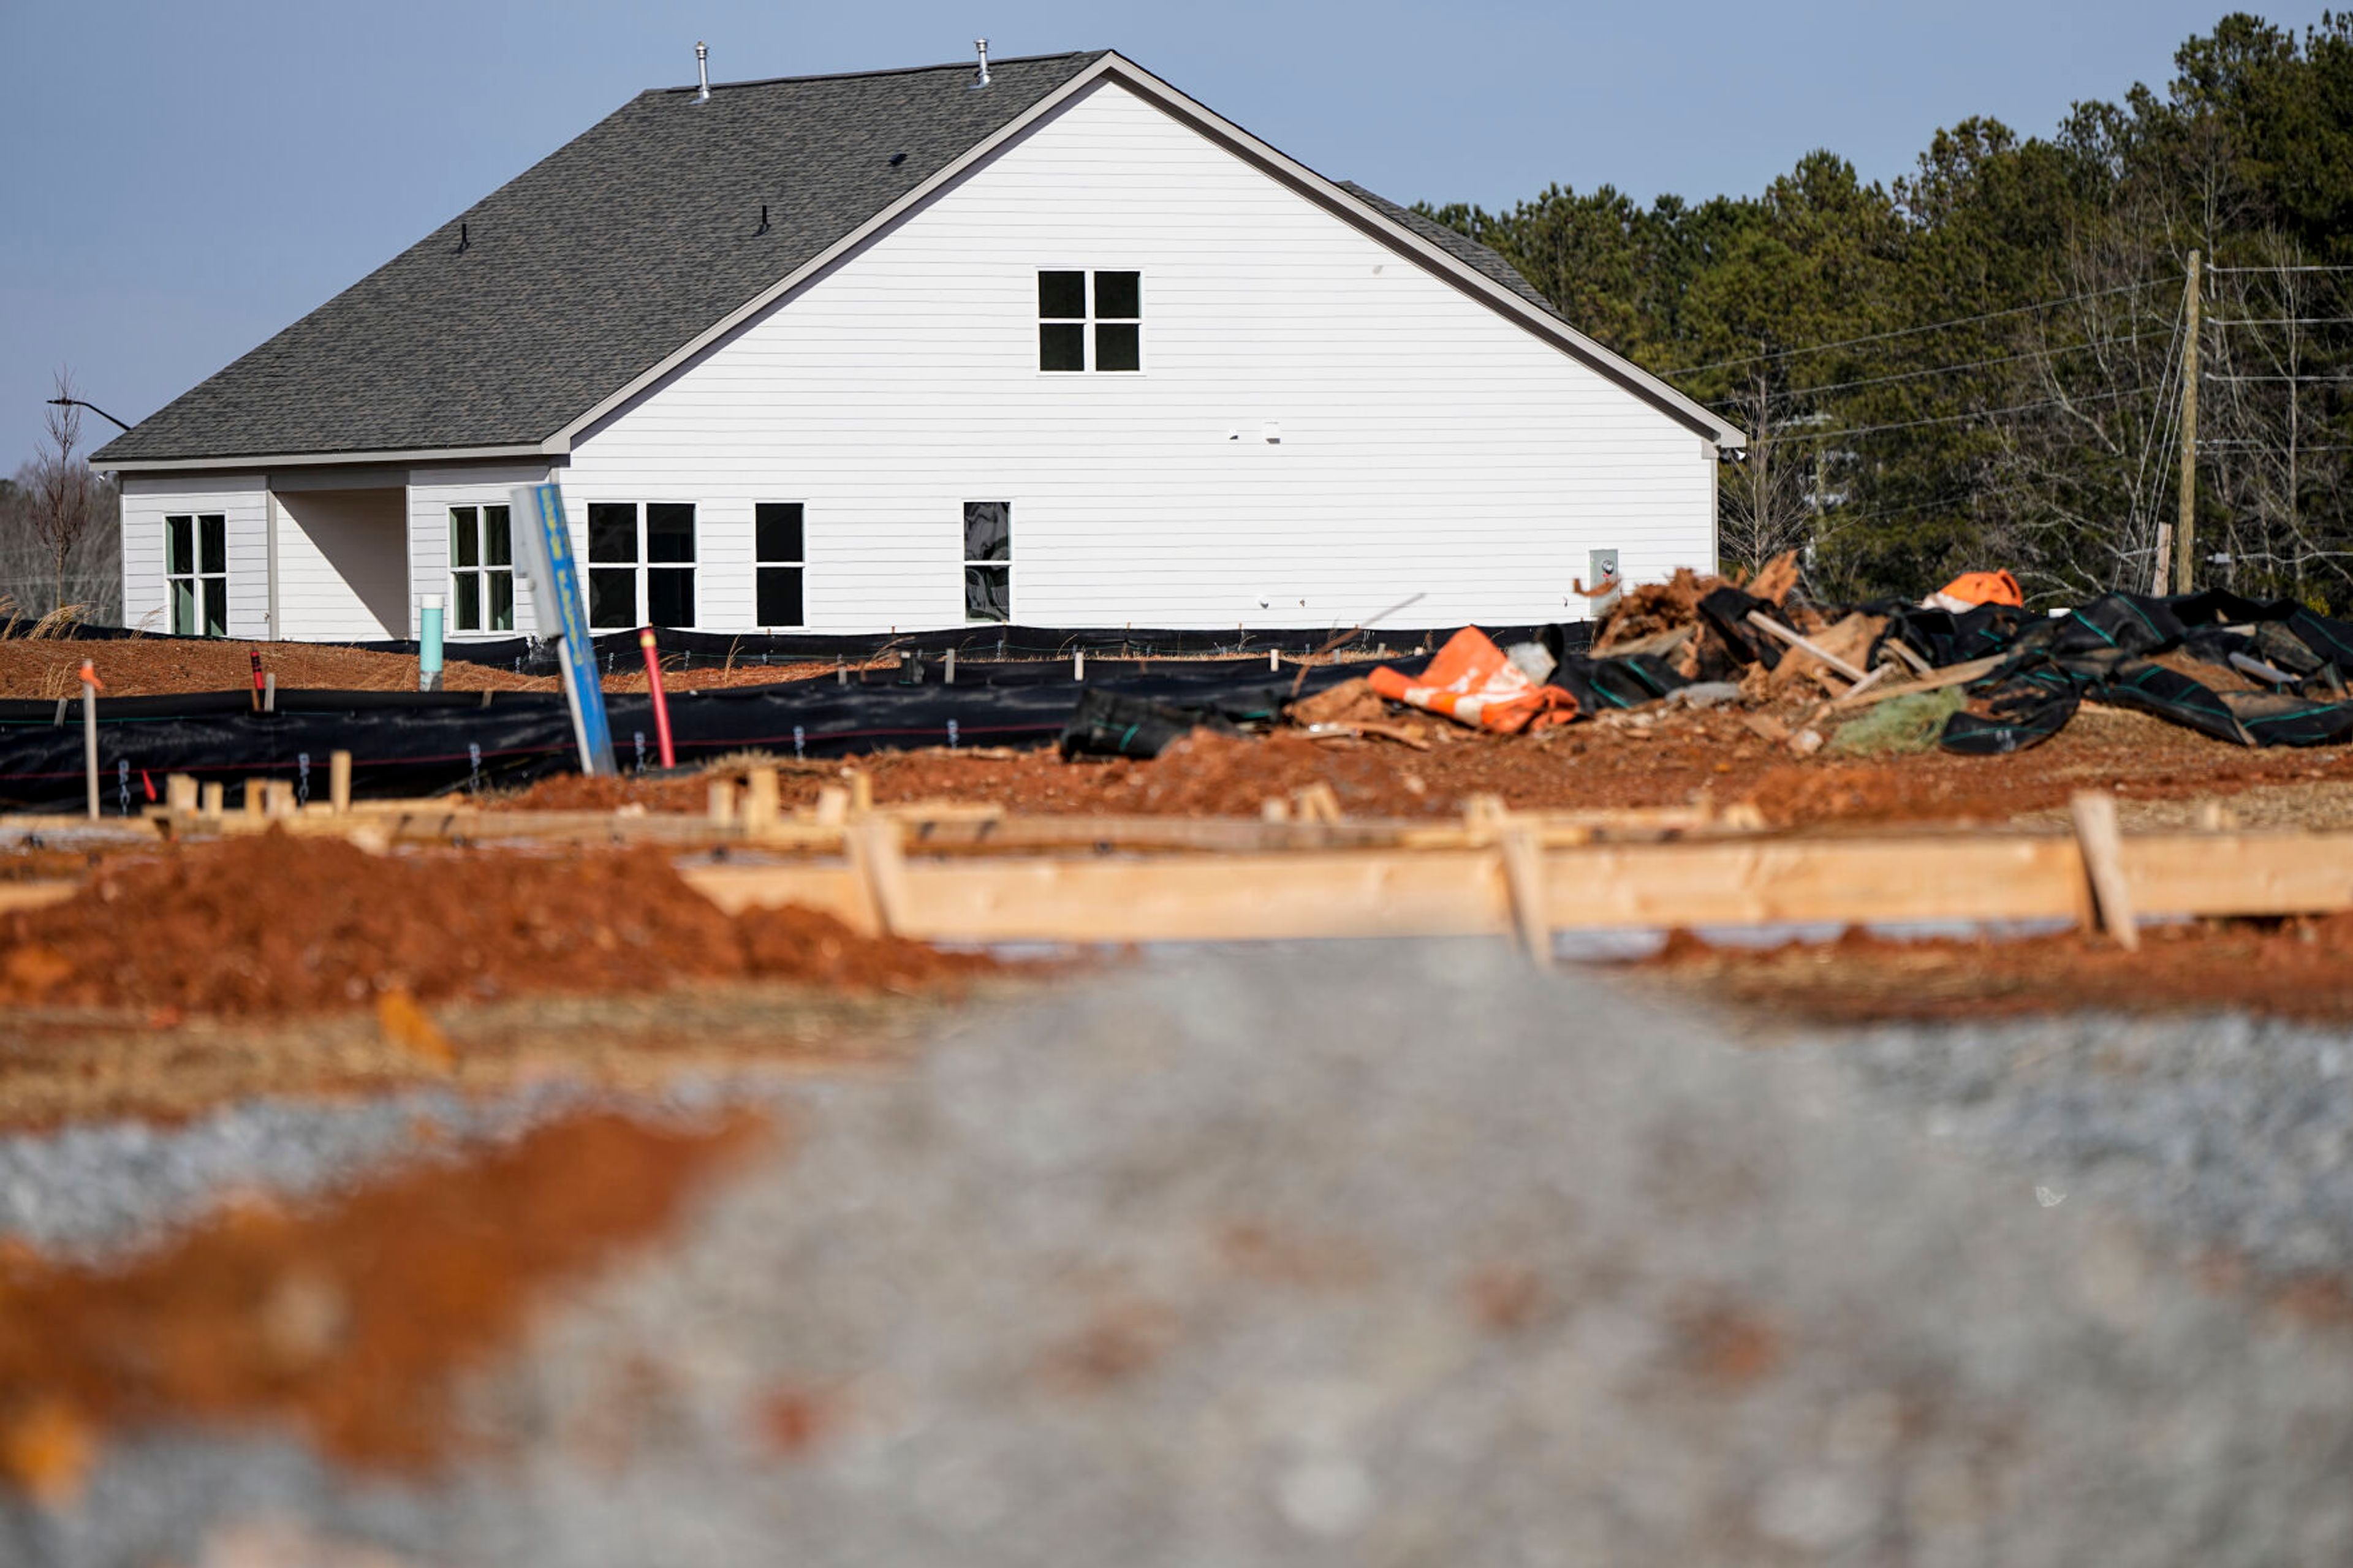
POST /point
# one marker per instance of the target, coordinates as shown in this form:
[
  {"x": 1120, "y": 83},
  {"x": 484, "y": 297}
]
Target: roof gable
[
  {"x": 640, "y": 244},
  {"x": 506, "y": 323}
]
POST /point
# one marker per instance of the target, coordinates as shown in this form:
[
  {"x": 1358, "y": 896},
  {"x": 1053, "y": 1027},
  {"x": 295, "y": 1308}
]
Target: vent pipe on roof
[
  {"x": 702, "y": 71},
  {"x": 981, "y": 45}
]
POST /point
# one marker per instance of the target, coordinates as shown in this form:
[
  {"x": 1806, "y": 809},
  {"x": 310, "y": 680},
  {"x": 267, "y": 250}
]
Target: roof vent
[
  {"x": 981, "y": 45},
  {"x": 702, "y": 71}
]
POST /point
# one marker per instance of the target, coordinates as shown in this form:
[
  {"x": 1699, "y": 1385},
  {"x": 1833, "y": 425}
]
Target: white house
[{"x": 1041, "y": 339}]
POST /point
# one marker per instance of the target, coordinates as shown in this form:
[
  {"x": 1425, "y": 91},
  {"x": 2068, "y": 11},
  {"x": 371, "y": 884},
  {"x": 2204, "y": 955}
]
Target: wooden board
[{"x": 1442, "y": 892}]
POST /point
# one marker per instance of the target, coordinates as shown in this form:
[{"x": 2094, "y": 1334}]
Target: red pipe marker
[{"x": 661, "y": 703}]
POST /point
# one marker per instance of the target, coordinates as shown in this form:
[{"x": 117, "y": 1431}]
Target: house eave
[{"x": 553, "y": 447}]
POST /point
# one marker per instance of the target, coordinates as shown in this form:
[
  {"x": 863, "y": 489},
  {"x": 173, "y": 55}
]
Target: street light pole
[{"x": 94, "y": 408}]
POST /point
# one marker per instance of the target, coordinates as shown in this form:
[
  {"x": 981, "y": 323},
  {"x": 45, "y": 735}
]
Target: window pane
[
  {"x": 778, "y": 525},
  {"x": 466, "y": 601},
  {"x": 1061, "y": 348},
  {"x": 183, "y": 607},
  {"x": 612, "y": 598},
  {"x": 212, "y": 537},
  {"x": 1119, "y": 347},
  {"x": 989, "y": 593},
  {"x": 670, "y": 530},
  {"x": 613, "y": 534},
  {"x": 1119, "y": 296},
  {"x": 216, "y": 606},
  {"x": 497, "y": 546},
  {"x": 1063, "y": 295},
  {"x": 669, "y": 594},
  {"x": 502, "y": 600},
  {"x": 780, "y": 595},
  {"x": 989, "y": 531},
  {"x": 465, "y": 538},
  {"x": 179, "y": 544}
]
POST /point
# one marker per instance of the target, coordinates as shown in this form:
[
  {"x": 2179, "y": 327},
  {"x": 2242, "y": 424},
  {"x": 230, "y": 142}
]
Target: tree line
[{"x": 1980, "y": 364}]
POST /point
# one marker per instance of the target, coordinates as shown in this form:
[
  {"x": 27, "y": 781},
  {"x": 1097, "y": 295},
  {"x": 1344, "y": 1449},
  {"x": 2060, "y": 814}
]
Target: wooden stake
[
  {"x": 1952, "y": 675},
  {"x": 209, "y": 798},
  {"x": 180, "y": 794},
  {"x": 861, "y": 792},
  {"x": 2094, "y": 812},
  {"x": 723, "y": 802},
  {"x": 339, "y": 782},
  {"x": 1773, "y": 628},
  {"x": 1524, "y": 876},
  {"x": 254, "y": 797},
  {"x": 879, "y": 860},
  {"x": 1919, "y": 666},
  {"x": 278, "y": 798},
  {"x": 760, "y": 798}
]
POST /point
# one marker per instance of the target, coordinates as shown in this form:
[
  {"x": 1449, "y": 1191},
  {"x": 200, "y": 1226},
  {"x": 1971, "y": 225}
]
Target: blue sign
[{"x": 562, "y": 617}]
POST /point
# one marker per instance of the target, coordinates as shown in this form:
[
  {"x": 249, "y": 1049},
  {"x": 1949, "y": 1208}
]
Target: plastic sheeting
[{"x": 410, "y": 743}]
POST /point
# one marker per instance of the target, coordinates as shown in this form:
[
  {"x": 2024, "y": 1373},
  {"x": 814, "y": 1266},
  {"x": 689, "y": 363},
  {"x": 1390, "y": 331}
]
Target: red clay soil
[
  {"x": 145, "y": 667},
  {"x": 276, "y": 925},
  {"x": 350, "y": 1323},
  {"x": 1675, "y": 761},
  {"x": 2296, "y": 969}
]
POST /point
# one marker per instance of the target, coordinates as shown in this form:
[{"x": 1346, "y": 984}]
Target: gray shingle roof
[
  {"x": 592, "y": 265},
  {"x": 1462, "y": 247}
]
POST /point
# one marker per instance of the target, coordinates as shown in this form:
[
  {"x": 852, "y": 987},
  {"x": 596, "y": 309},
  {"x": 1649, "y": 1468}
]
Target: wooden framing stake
[
  {"x": 180, "y": 794},
  {"x": 760, "y": 797},
  {"x": 209, "y": 797},
  {"x": 1775, "y": 629},
  {"x": 1522, "y": 850},
  {"x": 339, "y": 782},
  {"x": 877, "y": 857},
  {"x": 2094, "y": 813}
]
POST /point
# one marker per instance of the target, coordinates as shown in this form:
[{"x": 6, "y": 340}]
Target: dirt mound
[
  {"x": 2296, "y": 968},
  {"x": 349, "y": 1324},
  {"x": 278, "y": 925}
]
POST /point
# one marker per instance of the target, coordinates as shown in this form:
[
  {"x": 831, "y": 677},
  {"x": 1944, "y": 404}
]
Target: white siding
[
  {"x": 1428, "y": 445},
  {"x": 431, "y": 493},
  {"x": 343, "y": 564},
  {"x": 241, "y": 498}
]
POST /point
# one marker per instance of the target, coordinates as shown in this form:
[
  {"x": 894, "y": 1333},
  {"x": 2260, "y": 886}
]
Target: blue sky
[{"x": 178, "y": 180}]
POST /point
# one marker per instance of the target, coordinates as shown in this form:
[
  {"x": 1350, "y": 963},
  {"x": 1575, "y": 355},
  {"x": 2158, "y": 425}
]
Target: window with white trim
[
  {"x": 988, "y": 561},
  {"x": 779, "y": 547},
  {"x": 640, "y": 564},
  {"x": 195, "y": 573},
  {"x": 1090, "y": 322},
  {"x": 481, "y": 570}
]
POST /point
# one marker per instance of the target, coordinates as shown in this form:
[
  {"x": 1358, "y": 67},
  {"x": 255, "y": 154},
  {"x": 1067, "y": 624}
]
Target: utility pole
[{"x": 2185, "y": 527}]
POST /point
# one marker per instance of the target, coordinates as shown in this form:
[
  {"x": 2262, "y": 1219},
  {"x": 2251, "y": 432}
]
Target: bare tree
[
  {"x": 1769, "y": 502},
  {"x": 63, "y": 493}
]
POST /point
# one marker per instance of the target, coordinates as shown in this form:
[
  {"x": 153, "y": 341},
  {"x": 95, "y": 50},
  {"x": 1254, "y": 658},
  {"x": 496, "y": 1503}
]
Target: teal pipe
[{"x": 428, "y": 645}]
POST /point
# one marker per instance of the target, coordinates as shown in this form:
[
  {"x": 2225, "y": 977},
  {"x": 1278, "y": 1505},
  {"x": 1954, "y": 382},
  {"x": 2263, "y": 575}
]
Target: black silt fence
[{"x": 406, "y": 743}]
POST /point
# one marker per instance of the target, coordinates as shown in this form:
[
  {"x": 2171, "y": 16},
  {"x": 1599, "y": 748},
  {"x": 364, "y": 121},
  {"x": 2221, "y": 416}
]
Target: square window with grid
[
  {"x": 195, "y": 573},
  {"x": 640, "y": 564},
  {"x": 780, "y": 561},
  {"x": 988, "y": 561},
  {"x": 481, "y": 570},
  {"x": 1090, "y": 322}
]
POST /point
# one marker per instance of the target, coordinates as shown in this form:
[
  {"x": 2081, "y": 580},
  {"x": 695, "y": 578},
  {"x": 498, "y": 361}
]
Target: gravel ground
[
  {"x": 1370, "y": 1255},
  {"x": 97, "y": 1190},
  {"x": 2225, "y": 1137}
]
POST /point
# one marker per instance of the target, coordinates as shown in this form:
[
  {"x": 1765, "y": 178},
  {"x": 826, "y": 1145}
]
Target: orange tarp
[{"x": 1471, "y": 682}]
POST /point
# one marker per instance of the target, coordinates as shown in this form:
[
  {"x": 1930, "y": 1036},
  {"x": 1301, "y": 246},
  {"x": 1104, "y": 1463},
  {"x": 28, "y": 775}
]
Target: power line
[
  {"x": 2312, "y": 267},
  {"x": 1955, "y": 418},
  {"x": 2330, "y": 380},
  {"x": 1972, "y": 364},
  {"x": 1913, "y": 331},
  {"x": 2280, "y": 320}
]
